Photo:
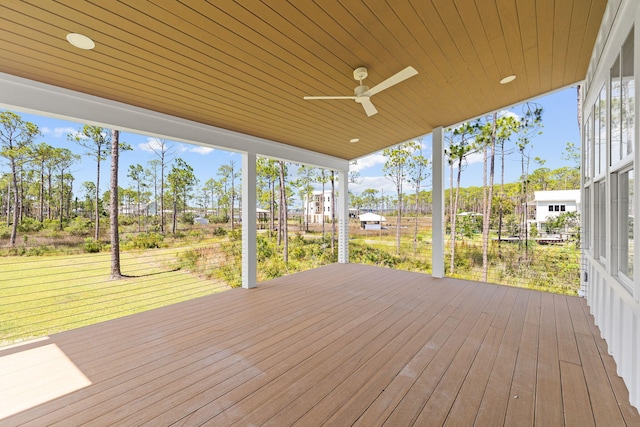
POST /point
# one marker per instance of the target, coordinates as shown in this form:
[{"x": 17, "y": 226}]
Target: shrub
[
  {"x": 187, "y": 218},
  {"x": 29, "y": 225},
  {"x": 79, "y": 226},
  {"x": 189, "y": 259},
  {"x": 145, "y": 241},
  {"x": 92, "y": 245},
  {"x": 219, "y": 231},
  {"x": 220, "y": 219},
  {"x": 5, "y": 232}
]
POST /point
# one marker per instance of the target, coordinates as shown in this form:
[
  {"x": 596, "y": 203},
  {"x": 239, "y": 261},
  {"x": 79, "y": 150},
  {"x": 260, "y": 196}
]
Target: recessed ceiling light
[
  {"x": 508, "y": 79},
  {"x": 353, "y": 140},
  {"x": 80, "y": 41}
]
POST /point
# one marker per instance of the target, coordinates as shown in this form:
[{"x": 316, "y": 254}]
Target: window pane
[
  {"x": 616, "y": 111},
  {"x": 625, "y": 190},
  {"x": 588, "y": 141},
  {"x": 586, "y": 234},
  {"x": 601, "y": 220},
  {"x": 601, "y": 130},
  {"x": 627, "y": 90}
]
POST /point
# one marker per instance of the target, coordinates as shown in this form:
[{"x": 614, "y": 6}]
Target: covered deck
[{"x": 344, "y": 344}]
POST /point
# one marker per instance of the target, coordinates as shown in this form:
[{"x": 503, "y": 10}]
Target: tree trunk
[
  {"x": 41, "y": 195},
  {"x": 16, "y": 200},
  {"x": 283, "y": 204},
  {"x": 451, "y": 213},
  {"x": 113, "y": 211},
  {"x": 61, "y": 213},
  {"x": 415, "y": 229},
  {"x": 486, "y": 220}
]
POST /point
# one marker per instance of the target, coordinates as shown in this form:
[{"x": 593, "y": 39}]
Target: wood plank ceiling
[{"x": 245, "y": 65}]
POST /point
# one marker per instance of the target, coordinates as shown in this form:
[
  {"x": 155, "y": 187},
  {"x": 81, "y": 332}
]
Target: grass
[{"x": 42, "y": 295}]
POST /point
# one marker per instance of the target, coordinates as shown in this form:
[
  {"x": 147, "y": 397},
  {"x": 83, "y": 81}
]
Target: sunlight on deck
[{"x": 35, "y": 376}]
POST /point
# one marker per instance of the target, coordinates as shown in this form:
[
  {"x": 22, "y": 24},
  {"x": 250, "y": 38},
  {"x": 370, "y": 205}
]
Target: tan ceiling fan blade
[{"x": 393, "y": 80}]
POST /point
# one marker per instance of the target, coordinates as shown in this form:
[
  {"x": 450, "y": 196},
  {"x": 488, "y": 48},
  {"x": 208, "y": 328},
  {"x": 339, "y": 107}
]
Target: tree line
[{"x": 39, "y": 185}]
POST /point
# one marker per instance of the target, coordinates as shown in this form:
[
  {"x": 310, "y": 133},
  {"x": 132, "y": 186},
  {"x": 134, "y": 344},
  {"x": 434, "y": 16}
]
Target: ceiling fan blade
[
  {"x": 393, "y": 80},
  {"x": 369, "y": 108},
  {"x": 329, "y": 97}
]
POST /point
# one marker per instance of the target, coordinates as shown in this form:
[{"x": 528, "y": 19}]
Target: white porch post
[
  {"x": 249, "y": 246},
  {"x": 343, "y": 216},
  {"x": 438, "y": 221}
]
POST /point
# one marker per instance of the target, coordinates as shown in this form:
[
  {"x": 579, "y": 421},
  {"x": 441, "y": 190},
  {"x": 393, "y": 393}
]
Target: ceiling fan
[{"x": 363, "y": 93}]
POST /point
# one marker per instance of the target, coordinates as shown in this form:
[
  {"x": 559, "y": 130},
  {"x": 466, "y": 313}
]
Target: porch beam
[
  {"x": 438, "y": 220},
  {"x": 249, "y": 245}
]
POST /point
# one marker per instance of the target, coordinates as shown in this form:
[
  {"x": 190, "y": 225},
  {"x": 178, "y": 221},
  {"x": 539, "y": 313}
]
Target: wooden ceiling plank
[
  {"x": 513, "y": 40},
  {"x": 468, "y": 59},
  {"x": 544, "y": 23},
  {"x": 579, "y": 22},
  {"x": 561, "y": 28},
  {"x": 347, "y": 123},
  {"x": 591, "y": 30},
  {"x": 84, "y": 79},
  {"x": 529, "y": 36},
  {"x": 100, "y": 78}
]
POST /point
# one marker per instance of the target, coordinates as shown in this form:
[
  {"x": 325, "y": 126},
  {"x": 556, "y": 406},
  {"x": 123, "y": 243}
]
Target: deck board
[{"x": 339, "y": 345}]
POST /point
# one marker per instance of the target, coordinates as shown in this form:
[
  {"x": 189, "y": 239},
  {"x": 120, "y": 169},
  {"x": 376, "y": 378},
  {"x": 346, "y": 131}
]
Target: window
[
  {"x": 625, "y": 224},
  {"x": 550, "y": 208},
  {"x": 601, "y": 220},
  {"x": 562, "y": 208},
  {"x": 586, "y": 224},
  {"x": 588, "y": 141},
  {"x": 601, "y": 131},
  {"x": 627, "y": 89},
  {"x": 616, "y": 111},
  {"x": 622, "y": 86}
]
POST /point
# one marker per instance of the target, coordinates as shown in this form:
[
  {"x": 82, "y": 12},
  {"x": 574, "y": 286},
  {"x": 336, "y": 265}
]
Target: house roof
[
  {"x": 370, "y": 216},
  {"x": 557, "y": 196},
  {"x": 245, "y": 66}
]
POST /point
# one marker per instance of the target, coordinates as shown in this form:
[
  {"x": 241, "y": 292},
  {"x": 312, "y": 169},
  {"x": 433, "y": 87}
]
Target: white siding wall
[{"x": 614, "y": 300}]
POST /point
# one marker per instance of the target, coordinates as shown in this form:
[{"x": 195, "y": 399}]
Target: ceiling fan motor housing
[
  {"x": 360, "y": 90},
  {"x": 360, "y": 73}
]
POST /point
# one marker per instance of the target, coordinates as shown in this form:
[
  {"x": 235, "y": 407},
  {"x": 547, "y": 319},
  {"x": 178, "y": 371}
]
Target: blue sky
[{"x": 559, "y": 119}]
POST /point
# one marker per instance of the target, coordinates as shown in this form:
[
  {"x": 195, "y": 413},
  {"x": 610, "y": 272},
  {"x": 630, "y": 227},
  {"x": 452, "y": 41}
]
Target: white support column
[
  {"x": 438, "y": 220},
  {"x": 249, "y": 246},
  {"x": 343, "y": 216}
]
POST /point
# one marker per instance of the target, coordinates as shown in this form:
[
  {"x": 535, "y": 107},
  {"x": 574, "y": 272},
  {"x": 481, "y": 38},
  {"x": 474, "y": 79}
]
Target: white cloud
[
  {"x": 368, "y": 162},
  {"x": 59, "y": 132},
  {"x": 155, "y": 144},
  {"x": 201, "y": 150},
  {"x": 151, "y": 145},
  {"x": 507, "y": 113}
]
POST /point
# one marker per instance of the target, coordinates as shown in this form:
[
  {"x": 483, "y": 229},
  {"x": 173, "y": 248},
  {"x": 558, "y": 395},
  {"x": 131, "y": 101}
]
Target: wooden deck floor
[{"x": 340, "y": 345}]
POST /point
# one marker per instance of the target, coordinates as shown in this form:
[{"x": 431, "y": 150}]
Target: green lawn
[{"x": 48, "y": 294}]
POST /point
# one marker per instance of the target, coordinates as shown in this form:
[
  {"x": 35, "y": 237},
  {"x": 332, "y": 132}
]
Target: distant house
[
  {"x": 551, "y": 203},
  {"x": 371, "y": 221},
  {"x": 318, "y": 204}
]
